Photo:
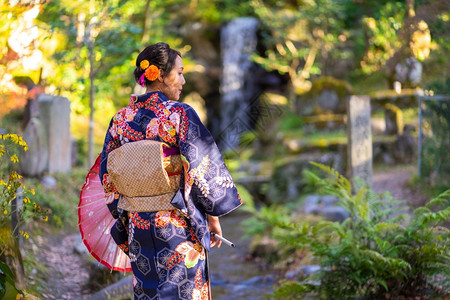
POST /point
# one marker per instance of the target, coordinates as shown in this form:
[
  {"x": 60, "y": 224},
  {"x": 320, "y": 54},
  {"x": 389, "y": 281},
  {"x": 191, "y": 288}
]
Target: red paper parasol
[{"x": 95, "y": 221}]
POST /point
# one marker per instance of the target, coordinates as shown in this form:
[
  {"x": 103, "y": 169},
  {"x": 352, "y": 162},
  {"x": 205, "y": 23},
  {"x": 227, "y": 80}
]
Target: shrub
[
  {"x": 10, "y": 183},
  {"x": 379, "y": 252}
]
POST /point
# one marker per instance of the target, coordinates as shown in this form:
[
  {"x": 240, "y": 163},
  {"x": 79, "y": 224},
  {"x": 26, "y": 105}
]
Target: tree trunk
[
  {"x": 91, "y": 104},
  {"x": 90, "y": 45},
  {"x": 147, "y": 23}
]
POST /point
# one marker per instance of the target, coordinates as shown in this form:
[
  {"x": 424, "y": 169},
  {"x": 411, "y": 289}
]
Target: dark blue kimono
[{"x": 167, "y": 248}]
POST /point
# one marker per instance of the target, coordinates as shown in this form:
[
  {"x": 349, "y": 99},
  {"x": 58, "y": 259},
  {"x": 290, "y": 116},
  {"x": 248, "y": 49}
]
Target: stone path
[
  {"x": 66, "y": 271},
  {"x": 397, "y": 182}
]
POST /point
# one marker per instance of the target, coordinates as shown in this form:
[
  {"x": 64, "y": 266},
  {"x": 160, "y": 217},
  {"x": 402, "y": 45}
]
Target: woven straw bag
[{"x": 147, "y": 175}]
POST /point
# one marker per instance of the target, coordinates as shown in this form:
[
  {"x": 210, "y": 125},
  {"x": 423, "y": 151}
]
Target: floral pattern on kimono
[{"x": 168, "y": 248}]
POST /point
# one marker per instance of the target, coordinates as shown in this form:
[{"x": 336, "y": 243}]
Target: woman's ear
[{"x": 161, "y": 76}]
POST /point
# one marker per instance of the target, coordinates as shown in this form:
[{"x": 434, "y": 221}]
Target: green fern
[
  {"x": 292, "y": 290},
  {"x": 380, "y": 249}
]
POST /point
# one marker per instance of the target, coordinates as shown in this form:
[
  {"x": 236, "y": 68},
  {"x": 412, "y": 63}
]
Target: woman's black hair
[{"x": 160, "y": 55}]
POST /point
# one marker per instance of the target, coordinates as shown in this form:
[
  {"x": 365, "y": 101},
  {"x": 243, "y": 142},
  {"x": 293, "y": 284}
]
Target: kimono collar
[{"x": 140, "y": 100}]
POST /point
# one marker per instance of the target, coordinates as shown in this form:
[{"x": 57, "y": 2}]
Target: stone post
[
  {"x": 55, "y": 116},
  {"x": 34, "y": 162},
  {"x": 394, "y": 119},
  {"x": 359, "y": 138},
  {"x": 238, "y": 84}
]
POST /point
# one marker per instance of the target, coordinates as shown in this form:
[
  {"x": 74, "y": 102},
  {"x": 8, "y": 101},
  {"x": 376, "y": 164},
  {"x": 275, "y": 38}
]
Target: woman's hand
[{"x": 214, "y": 226}]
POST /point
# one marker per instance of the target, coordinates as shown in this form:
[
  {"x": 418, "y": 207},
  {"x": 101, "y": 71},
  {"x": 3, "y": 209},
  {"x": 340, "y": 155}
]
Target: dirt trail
[
  {"x": 65, "y": 271},
  {"x": 396, "y": 181}
]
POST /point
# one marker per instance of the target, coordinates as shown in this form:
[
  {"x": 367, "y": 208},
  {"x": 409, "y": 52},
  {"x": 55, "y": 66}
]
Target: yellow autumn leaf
[
  {"x": 16, "y": 139},
  {"x": 14, "y": 159},
  {"x": 15, "y": 175}
]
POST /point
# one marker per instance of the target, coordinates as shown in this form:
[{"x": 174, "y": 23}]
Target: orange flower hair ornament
[
  {"x": 151, "y": 72},
  {"x": 144, "y": 64}
]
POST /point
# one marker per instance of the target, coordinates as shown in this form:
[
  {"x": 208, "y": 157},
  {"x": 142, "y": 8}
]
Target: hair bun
[{"x": 159, "y": 55}]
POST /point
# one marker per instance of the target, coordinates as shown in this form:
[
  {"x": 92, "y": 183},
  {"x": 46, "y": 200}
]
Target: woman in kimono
[{"x": 168, "y": 248}]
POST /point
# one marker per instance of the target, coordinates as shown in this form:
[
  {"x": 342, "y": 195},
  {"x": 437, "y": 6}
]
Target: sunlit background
[
  {"x": 306, "y": 58},
  {"x": 51, "y": 42}
]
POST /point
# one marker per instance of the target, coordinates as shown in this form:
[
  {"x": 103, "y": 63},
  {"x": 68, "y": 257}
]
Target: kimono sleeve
[
  {"x": 207, "y": 179},
  {"x": 118, "y": 230},
  {"x": 111, "y": 194}
]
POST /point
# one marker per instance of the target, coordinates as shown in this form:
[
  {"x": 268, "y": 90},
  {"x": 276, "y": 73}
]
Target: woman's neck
[
  {"x": 155, "y": 87},
  {"x": 152, "y": 90}
]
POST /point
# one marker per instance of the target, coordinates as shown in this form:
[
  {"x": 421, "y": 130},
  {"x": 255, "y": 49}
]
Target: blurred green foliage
[
  {"x": 349, "y": 39},
  {"x": 62, "y": 200},
  {"x": 435, "y": 156}
]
